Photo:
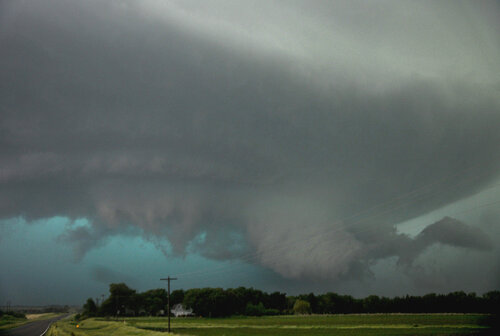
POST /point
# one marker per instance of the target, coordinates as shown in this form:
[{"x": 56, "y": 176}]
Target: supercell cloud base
[{"x": 343, "y": 145}]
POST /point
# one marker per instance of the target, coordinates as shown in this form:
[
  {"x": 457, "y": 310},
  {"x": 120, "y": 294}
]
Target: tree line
[
  {"x": 219, "y": 302},
  {"x": 12, "y": 314}
]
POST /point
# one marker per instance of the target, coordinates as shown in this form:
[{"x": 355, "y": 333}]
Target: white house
[{"x": 179, "y": 310}]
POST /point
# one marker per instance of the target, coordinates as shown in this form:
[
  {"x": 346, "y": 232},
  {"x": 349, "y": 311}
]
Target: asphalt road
[{"x": 36, "y": 328}]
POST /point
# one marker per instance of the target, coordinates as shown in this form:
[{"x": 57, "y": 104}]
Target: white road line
[{"x": 46, "y": 329}]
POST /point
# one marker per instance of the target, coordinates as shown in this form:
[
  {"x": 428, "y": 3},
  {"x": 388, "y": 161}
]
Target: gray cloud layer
[{"x": 258, "y": 126}]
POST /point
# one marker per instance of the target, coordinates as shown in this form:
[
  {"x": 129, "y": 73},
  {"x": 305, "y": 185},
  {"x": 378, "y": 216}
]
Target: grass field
[
  {"x": 43, "y": 316},
  {"x": 8, "y": 322},
  {"x": 94, "y": 327},
  {"x": 375, "y": 324}
]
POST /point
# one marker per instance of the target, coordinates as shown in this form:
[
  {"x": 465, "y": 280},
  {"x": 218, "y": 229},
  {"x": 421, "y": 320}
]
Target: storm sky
[{"x": 298, "y": 146}]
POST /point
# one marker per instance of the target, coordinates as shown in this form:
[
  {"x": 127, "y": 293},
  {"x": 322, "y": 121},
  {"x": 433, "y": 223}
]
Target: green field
[
  {"x": 89, "y": 327},
  {"x": 370, "y": 324},
  {"x": 8, "y": 321}
]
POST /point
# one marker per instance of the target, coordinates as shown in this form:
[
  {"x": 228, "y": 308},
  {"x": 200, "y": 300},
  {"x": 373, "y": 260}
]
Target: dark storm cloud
[
  {"x": 182, "y": 122},
  {"x": 447, "y": 231},
  {"x": 453, "y": 232},
  {"x": 83, "y": 239},
  {"x": 106, "y": 275}
]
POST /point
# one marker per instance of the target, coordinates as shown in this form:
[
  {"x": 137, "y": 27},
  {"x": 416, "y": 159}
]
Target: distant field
[
  {"x": 43, "y": 316},
  {"x": 374, "y": 324},
  {"x": 9, "y": 322}
]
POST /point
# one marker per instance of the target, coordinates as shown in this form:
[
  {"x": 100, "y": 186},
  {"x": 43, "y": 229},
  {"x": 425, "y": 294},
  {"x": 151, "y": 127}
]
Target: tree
[
  {"x": 90, "y": 308},
  {"x": 492, "y": 301},
  {"x": 371, "y": 304},
  {"x": 277, "y": 301},
  {"x": 121, "y": 299},
  {"x": 255, "y": 310},
  {"x": 154, "y": 301},
  {"x": 302, "y": 307},
  {"x": 176, "y": 297},
  {"x": 218, "y": 302}
]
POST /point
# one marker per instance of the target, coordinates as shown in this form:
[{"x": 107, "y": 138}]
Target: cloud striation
[{"x": 294, "y": 135}]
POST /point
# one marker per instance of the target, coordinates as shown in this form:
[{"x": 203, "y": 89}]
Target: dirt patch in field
[{"x": 34, "y": 316}]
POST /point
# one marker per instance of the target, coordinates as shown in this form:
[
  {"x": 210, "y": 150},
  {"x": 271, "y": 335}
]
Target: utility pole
[{"x": 168, "y": 298}]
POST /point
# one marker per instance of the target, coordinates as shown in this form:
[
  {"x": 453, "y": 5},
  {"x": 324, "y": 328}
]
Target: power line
[
  {"x": 385, "y": 208},
  {"x": 418, "y": 192},
  {"x": 225, "y": 268}
]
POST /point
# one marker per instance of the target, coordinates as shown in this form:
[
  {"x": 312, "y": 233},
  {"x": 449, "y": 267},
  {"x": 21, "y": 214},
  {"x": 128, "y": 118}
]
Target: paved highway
[{"x": 37, "y": 328}]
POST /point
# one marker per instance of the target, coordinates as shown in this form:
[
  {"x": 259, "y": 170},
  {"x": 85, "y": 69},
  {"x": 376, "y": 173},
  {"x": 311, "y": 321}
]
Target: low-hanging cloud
[
  {"x": 306, "y": 145},
  {"x": 106, "y": 276},
  {"x": 447, "y": 231},
  {"x": 453, "y": 232}
]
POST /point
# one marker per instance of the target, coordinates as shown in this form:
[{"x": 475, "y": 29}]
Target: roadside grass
[
  {"x": 94, "y": 327},
  {"x": 343, "y": 325},
  {"x": 9, "y": 322}
]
